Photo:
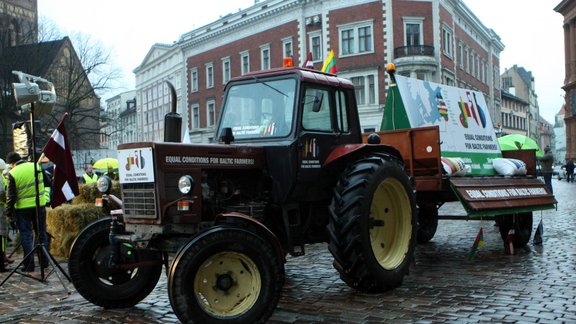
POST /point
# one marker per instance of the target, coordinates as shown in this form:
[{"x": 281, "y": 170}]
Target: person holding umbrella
[
  {"x": 111, "y": 174},
  {"x": 547, "y": 162}
]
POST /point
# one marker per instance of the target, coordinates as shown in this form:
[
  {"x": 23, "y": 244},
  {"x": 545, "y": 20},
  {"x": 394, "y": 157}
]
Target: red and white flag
[
  {"x": 309, "y": 63},
  {"x": 64, "y": 183}
]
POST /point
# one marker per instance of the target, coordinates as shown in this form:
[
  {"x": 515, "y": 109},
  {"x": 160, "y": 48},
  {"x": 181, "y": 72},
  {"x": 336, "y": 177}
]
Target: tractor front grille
[{"x": 139, "y": 200}]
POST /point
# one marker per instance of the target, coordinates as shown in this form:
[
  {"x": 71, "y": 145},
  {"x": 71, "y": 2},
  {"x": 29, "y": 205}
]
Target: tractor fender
[
  {"x": 239, "y": 219},
  {"x": 345, "y": 153}
]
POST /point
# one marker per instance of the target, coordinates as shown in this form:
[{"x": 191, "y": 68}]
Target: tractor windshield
[{"x": 260, "y": 109}]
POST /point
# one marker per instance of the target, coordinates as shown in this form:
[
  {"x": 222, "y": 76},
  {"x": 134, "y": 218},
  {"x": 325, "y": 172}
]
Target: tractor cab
[{"x": 299, "y": 116}]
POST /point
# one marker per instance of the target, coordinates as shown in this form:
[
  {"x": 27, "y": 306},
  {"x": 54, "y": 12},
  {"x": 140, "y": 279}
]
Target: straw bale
[{"x": 65, "y": 222}]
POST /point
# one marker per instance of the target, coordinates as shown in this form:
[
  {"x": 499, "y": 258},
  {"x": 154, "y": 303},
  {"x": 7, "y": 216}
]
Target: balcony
[{"x": 415, "y": 50}]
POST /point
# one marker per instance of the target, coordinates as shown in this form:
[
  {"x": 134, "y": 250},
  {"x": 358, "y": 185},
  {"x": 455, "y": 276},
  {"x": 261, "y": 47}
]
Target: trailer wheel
[
  {"x": 109, "y": 287},
  {"x": 522, "y": 225},
  {"x": 226, "y": 274},
  {"x": 427, "y": 222},
  {"x": 372, "y": 224}
]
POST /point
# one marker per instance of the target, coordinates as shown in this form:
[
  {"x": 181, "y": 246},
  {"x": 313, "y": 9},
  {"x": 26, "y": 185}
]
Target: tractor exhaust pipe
[{"x": 172, "y": 120}]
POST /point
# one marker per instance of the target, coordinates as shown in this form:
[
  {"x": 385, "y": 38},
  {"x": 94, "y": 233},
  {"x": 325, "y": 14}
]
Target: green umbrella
[{"x": 514, "y": 142}]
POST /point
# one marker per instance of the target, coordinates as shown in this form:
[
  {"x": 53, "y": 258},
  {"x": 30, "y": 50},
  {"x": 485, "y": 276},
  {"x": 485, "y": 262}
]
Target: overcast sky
[{"x": 530, "y": 29}]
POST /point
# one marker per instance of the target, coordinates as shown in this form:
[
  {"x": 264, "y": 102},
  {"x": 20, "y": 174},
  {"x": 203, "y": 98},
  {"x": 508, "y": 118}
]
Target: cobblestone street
[{"x": 537, "y": 284}]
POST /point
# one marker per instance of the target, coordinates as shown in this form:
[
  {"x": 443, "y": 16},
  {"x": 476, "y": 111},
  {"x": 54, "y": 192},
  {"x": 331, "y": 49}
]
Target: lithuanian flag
[{"x": 330, "y": 63}]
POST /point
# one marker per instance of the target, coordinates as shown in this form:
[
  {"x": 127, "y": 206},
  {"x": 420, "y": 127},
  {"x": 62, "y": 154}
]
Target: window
[
  {"x": 466, "y": 60},
  {"x": 194, "y": 79},
  {"x": 316, "y": 46},
  {"x": 209, "y": 75},
  {"x": 356, "y": 39},
  {"x": 347, "y": 42},
  {"x": 413, "y": 31},
  {"x": 365, "y": 89},
  {"x": 264, "y": 108},
  {"x": 365, "y": 39},
  {"x": 447, "y": 42},
  {"x": 245, "y": 59},
  {"x": 226, "y": 70},
  {"x": 211, "y": 113},
  {"x": 316, "y": 115},
  {"x": 265, "y": 57},
  {"x": 461, "y": 55},
  {"x": 472, "y": 65},
  {"x": 287, "y": 46},
  {"x": 195, "y": 116}
]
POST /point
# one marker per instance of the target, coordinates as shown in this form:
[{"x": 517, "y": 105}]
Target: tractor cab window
[
  {"x": 260, "y": 109},
  {"x": 316, "y": 110}
]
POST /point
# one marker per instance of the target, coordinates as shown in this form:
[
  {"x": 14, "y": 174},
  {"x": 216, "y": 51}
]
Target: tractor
[{"x": 288, "y": 167}]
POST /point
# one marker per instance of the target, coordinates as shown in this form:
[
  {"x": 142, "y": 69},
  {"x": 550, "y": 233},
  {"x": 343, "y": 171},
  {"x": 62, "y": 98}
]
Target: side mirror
[{"x": 318, "y": 102}]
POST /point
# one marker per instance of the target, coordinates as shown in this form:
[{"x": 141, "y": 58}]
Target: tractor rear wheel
[
  {"x": 226, "y": 274},
  {"x": 372, "y": 224},
  {"x": 427, "y": 222}
]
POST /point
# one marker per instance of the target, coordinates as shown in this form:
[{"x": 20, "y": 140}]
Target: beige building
[{"x": 515, "y": 113}]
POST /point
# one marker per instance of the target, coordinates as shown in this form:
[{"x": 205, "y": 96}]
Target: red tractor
[{"x": 291, "y": 169}]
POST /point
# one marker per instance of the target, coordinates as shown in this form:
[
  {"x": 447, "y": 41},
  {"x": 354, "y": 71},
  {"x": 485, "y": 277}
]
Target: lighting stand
[{"x": 40, "y": 246}]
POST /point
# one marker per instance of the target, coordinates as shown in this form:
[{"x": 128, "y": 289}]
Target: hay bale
[
  {"x": 89, "y": 193},
  {"x": 65, "y": 222}
]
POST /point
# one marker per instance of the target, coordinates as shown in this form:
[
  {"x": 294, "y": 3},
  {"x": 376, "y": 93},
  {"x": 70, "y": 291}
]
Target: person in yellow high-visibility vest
[
  {"x": 89, "y": 176},
  {"x": 21, "y": 204}
]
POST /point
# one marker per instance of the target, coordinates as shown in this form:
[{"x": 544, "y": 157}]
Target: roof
[{"x": 35, "y": 59}]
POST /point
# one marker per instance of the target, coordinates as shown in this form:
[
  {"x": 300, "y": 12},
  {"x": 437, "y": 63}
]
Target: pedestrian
[
  {"x": 546, "y": 165},
  {"x": 3, "y": 223},
  {"x": 21, "y": 205},
  {"x": 111, "y": 174},
  {"x": 569, "y": 170},
  {"x": 89, "y": 177}
]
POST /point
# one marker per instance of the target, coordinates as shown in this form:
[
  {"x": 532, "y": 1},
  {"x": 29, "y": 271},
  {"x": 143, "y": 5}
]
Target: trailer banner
[{"x": 462, "y": 116}]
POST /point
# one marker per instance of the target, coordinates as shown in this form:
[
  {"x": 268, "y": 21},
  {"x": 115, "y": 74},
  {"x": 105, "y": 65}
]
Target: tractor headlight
[
  {"x": 186, "y": 184},
  {"x": 104, "y": 184}
]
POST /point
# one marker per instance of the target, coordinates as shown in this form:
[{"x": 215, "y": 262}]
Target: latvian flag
[{"x": 64, "y": 184}]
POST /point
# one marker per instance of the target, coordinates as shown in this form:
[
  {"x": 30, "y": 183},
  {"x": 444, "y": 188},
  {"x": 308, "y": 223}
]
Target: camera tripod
[{"x": 40, "y": 246}]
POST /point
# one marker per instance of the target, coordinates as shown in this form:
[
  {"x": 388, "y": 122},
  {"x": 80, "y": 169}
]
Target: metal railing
[{"x": 416, "y": 50}]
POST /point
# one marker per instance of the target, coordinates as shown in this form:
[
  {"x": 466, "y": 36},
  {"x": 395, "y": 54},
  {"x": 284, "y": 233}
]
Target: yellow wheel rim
[
  {"x": 227, "y": 284},
  {"x": 390, "y": 224}
]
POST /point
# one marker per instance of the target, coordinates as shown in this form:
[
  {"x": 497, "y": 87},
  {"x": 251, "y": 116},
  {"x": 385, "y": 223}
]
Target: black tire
[
  {"x": 372, "y": 224},
  {"x": 103, "y": 286},
  {"x": 427, "y": 222},
  {"x": 522, "y": 225},
  {"x": 226, "y": 274}
]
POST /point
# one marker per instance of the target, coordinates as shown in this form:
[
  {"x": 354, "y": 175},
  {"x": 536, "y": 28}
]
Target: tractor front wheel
[
  {"x": 226, "y": 274},
  {"x": 125, "y": 285}
]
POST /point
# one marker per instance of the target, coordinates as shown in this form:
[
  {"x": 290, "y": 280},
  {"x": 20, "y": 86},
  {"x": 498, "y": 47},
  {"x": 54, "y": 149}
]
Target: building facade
[
  {"x": 515, "y": 112},
  {"x": 163, "y": 63},
  {"x": 434, "y": 40},
  {"x": 567, "y": 8},
  {"x": 118, "y": 121},
  {"x": 560, "y": 136},
  {"x": 520, "y": 82}
]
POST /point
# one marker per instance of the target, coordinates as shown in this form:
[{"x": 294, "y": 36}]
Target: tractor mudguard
[
  {"x": 239, "y": 219},
  {"x": 350, "y": 151}
]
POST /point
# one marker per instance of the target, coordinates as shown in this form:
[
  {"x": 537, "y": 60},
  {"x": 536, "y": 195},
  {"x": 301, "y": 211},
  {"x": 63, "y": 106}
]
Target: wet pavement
[{"x": 536, "y": 284}]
